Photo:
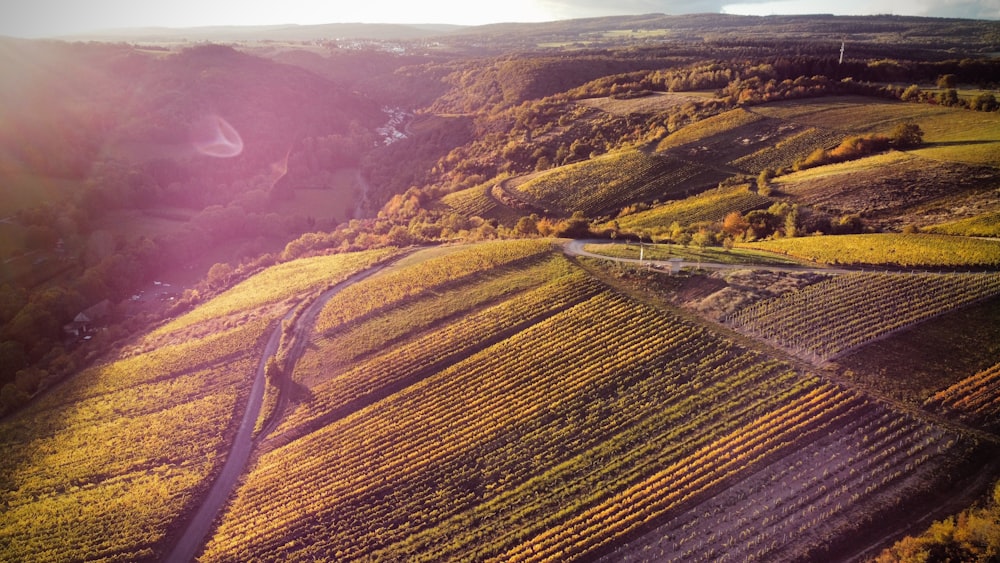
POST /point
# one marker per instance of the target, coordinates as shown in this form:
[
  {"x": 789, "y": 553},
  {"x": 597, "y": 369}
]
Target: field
[
  {"x": 950, "y": 134},
  {"x": 710, "y": 206},
  {"x": 285, "y": 281},
  {"x": 892, "y": 190},
  {"x": 605, "y": 184},
  {"x": 435, "y": 416},
  {"x": 655, "y": 102},
  {"x": 481, "y": 420},
  {"x": 986, "y": 225},
  {"x": 477, "y": 201},
  {"x": 830, "y": 318},
  {"x": 471, "y": 202},
  {"x": 914, "y": 364},
  {"x": 335, "y": 201},
  {"x": 723, "y": 124},
  {"x": 917, "y": 251},
  {"x": 125, "y": 448},
  {"x": 689, "y": 253}
]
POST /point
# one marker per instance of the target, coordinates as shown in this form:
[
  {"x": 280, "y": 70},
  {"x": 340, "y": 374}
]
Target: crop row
[
  {"x": 471, "y": 202},
  {"x": 104, "y": 465},
  {"x": 844, "y": 312},
  {"x": 390, "y": 288},
  {"x": 404, "y": 362},
  {"x": 532, "y": 431},
  {"x": 720, "y": 125},
  {"x": 278, "y": 283},
  {"x": 787, "y": 151},
  {"x": 604, "y": 185},
  {"x": 906, "y": 250},
  {"x": 381, "y": 330},
  {"x": 791, "y": 507},
  {"x": 974, "y": 399},
  {"x": 985, "y": 225},
  {"x": 710, "y": 206},
  {"x": 691, "y": 477}
]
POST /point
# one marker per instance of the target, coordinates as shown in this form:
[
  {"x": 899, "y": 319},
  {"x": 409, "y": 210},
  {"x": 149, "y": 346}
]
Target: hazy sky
[{"x": 40, "y": 18}]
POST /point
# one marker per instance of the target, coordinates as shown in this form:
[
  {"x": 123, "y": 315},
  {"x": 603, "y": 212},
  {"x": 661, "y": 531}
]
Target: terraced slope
[
  {"x": 710, "y": 206},
  {"x": 559, "y": 419},
  {"x": 605, "y": 184},
  {"x": 105, "y": 466},
  {"x": 832, "y": 317}
]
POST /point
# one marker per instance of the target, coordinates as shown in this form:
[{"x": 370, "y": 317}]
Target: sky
[{"x": 48, "y": 18}]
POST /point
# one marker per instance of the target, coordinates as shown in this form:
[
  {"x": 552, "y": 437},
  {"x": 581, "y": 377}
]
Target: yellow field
[
  {"x": 708, "y": 127},
  {"x": 100, "y": 468},
  {"x": 279, "y": 283},
  {"x": 888, "y": 249}
]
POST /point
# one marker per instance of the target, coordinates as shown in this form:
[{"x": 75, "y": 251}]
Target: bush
[
  {"x": 907, "y": 135},
  {"x": 849, "y": 149}
]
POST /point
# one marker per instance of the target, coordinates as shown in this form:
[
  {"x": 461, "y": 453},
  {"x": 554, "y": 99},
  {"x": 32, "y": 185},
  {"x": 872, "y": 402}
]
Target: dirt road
[{"x": 575, "y": 248}]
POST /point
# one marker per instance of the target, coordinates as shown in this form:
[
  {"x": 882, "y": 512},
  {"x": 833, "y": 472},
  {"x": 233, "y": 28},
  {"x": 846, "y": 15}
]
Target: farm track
[
  {"x": 196, "y": 530},
  {"x": 575, "y": 248}
]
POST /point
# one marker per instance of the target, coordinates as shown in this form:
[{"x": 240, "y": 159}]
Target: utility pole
[{"x": 841, "y": 52}]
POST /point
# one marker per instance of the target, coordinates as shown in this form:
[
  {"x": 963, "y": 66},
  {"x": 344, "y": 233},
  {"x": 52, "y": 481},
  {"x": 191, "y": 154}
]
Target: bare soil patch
[
  {"x": 722, "y": 293},
  {"x": 912, "y": 190},
  {"x": 655, "y": 102}
]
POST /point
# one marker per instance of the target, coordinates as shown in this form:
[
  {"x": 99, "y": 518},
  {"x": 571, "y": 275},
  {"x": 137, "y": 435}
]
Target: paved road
[
  {"x": 575, "y": 248},
  {"x": 193, "y": 537}
]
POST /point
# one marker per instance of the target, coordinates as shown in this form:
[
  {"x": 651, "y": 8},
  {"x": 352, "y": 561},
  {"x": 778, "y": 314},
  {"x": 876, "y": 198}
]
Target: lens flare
[{"x": 214, "y": 136}]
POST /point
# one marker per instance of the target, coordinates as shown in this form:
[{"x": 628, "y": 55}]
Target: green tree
[
  {"x": 219, "y": 274},
  {"x": 949, "y": 98},
  {"x": 526, "y": 226}
]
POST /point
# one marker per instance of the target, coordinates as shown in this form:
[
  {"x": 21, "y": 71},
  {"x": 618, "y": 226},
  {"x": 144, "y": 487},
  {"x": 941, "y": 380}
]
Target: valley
[{"x": 660, "y": 292}]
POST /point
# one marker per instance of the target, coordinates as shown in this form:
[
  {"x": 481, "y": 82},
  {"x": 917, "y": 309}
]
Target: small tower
[{"x": 841, "y": 52}]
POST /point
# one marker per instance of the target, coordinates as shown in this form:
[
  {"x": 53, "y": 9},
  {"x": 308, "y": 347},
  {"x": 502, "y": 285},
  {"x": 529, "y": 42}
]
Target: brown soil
[{"x": 913, "y": 191}]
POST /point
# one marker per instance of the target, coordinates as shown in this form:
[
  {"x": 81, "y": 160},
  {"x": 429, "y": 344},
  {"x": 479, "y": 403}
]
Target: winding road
[{"x": 192, "y": 539}]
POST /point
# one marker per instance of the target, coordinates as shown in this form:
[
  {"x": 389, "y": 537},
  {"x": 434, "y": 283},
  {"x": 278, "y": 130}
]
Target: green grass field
[{"x": 336, "y": 201}]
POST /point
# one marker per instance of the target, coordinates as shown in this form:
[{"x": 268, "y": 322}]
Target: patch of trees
[
  {"x": 905, "y": 135},
  {"x": 983, "y": 101},
  {"x": 969, "y": 536}
]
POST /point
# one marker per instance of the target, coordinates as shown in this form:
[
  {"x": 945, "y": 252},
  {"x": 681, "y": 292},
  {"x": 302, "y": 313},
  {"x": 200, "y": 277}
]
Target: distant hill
[{"x": 285, "y": 32}]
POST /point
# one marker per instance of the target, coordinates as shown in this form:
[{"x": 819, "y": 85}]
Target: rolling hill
[{"x": 749, "y": 357}]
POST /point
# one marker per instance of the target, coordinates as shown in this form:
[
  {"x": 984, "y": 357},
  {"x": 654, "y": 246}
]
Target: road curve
[
  {"x": 575, "y": 248},
  {"x": 193, "y": 538}
]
